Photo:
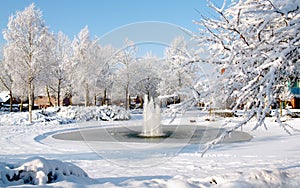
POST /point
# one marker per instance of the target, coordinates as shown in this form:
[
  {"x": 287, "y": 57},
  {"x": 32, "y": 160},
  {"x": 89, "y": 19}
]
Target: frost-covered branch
[{"x": 263, "y": 57}]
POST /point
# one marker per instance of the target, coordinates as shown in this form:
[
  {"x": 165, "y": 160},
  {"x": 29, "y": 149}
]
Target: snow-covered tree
[
  {"x": 85, "y": 61},
  {"x": 257, "y": 44},
  {"x": 106, "y": 60},
  {"x": 146, "y": 76},
  {"x": 61, "y": 65},
  {"x": 6, "y": 79},
  {"x": 125, "y": 77},
  {"x": 178, "y": 71},
  {"x": 25, "y": 35},
  {"x": 45, "y": 78},
  {"x": 93, "y": 66},
  {"x": 12, "y": 80},
  {"x": 138, "y": 77}
]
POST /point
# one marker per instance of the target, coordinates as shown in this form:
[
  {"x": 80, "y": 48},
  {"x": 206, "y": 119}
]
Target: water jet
[{"x": 151, "y": 123}]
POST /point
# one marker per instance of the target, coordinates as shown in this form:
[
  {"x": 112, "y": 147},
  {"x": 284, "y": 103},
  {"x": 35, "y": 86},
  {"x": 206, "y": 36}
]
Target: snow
[{"x": 270, "y": 159}]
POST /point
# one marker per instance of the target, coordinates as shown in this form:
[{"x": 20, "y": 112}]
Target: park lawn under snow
[{"x": 270, "y": 159}]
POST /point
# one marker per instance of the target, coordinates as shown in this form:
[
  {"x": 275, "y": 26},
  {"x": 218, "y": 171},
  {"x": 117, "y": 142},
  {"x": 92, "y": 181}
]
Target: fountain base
[{"x": 143, "y": 135}]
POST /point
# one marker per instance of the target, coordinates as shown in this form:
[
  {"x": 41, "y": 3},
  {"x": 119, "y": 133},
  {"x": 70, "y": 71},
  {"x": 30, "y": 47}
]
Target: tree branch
[{"x": 226, "y": 48}]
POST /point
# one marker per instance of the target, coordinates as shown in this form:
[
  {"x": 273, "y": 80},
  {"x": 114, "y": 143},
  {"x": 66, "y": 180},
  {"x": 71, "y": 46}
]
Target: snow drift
[{"x": 40, "y": 171}]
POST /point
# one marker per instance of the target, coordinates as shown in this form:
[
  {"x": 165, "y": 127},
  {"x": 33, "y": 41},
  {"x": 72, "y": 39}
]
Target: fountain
[
  {"x": 151, "y": 131},
  {"x": 151, "y": 123}
]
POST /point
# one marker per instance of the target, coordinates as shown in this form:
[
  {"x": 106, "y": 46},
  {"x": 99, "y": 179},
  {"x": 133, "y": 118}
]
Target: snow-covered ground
[{"x": 270, "y": 159}]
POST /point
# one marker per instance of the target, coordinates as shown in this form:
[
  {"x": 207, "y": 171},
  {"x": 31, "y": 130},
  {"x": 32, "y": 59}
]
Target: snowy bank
[
  {"x": 40, "y": 171},
  {"x": 65, "y": 115}
]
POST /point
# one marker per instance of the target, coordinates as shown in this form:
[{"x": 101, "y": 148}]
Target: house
[
  {"x": 4, "y": 97},
  {"x": 295, "y": 90},
  {"x": 136, "y": 102},
  {"x": 167, "y": 100},
  {"x": 43, "y": 101},
  {"x": 5, "y": 101}
]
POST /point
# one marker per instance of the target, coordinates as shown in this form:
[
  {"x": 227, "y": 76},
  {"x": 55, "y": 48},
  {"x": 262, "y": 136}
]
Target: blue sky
[{"x": 104, "y": 16}]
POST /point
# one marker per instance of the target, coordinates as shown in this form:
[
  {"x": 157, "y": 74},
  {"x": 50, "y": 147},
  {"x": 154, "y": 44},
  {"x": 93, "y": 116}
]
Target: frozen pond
[{"x": 191, "y": 134}]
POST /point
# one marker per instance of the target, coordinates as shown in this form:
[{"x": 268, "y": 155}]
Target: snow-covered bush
[
  {"x": 103, "y": 113},
  {"x": 65, "y": 115},
  {"x": 39, "y": 171},
  {"x": 21, "y": 118}
]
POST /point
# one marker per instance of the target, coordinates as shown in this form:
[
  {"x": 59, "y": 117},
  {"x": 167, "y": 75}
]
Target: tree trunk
[
  {"x": 58, "y": 92},
  {"x": 10, "y": 101},
  {"x": 129, "y": 102},
  {"x": 87, "y": 94},
  {"x": 21, "y": 105},
  {"x": 48, "y": 96},
  {"x": 71, "y": 102},
  {"x": 30, "y": 99},
  {"x": 95, "y": 100},
  {"x": 104, "y": 102},
  {"x": 32, "y": 96},
  {"x": 126, "y": 98}
]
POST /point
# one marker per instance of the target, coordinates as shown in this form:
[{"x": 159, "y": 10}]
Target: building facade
[{"x": 295, "y": 90}]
